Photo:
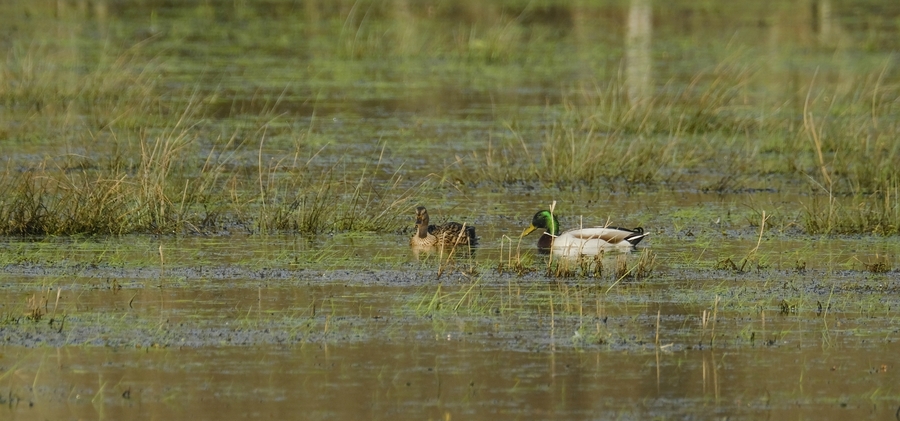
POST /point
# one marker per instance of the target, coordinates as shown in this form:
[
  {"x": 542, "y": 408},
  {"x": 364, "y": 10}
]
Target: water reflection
[{"x": 441, "y": 378}]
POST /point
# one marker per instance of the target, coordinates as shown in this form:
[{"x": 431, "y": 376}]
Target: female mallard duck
[
  {"x": 449, "y": 234},
  {"x": 581, "y": 241}
]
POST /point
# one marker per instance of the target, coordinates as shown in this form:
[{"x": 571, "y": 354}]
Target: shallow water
[
  {"x": 231, "y": 338},
  {"x": 350, "y": 325},
  {"x": 447, "y": 377}
]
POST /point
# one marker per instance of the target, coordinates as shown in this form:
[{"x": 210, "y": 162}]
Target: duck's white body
[
  {"x": 591, "y": 241},
  {"x": 582, "y": 241}
]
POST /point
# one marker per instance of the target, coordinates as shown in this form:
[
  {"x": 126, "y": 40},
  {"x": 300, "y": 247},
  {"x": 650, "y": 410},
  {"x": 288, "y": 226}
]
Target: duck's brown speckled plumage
[{"x": 446, "y": 235}]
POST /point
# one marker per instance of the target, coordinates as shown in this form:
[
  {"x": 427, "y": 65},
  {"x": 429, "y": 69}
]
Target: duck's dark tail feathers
[{"x": 638, "y": 235}]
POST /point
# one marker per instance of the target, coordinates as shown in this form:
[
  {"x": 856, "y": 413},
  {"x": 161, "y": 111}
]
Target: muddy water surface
[
  {"x": 441, "y": 377},
  {"x": 354, "y": 335}
]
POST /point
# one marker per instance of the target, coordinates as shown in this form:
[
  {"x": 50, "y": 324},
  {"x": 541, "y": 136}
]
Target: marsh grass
[
  {"x": 48, "y": 95},
  {"x": 584, "y": 266},
  {"x": 457, "y": 258},
  {"x": 645, "y": 265},
  {"x": 36, "y": 306},
  {"x": 876, "y": 213},
  {"x": 328, "y": 201},
  {"x": 572, "y": 299},
  {"x": 877, "y": 264},
  {"x": 709, "y": 320},
  {"x": 139, "y": 158},
  {"x": 169, "y": 191},
  {"x": 715, "y": 135},
  {"x": 575, "y": 312},
  {"x": 454, "y": 255},
  {"x": 47, "y": 90},
  {"x": 467, "y": 298},
  {"x": 514, "y": 261},
  {"x": 855, "y": 178},
  {"x": 159, "y": 164},
  {"x": 598, "y": 135},
  {"x": 752, "y": 256}
]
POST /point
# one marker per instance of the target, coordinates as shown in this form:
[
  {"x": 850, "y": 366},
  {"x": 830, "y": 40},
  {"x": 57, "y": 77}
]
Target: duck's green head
[{"x": 543, "y": 219}]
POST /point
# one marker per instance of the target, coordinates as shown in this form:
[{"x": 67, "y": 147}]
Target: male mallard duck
[
  {"x": 447, "y": 235},
  {"x": 581, "y": 241}
]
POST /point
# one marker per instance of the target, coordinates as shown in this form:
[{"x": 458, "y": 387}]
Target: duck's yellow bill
[{"x": 528, "y": 230}]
